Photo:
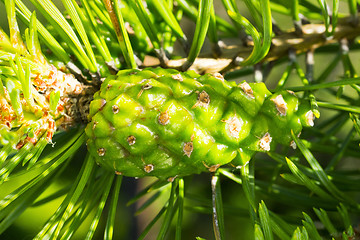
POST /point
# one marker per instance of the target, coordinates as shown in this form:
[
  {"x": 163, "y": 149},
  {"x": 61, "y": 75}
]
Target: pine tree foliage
[{"x": 55, "y": 58}]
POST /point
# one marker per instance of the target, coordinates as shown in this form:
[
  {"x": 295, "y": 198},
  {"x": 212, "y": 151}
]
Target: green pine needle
[
  {"x": 322, "y": 175},
  {"x": 218, "y": 214},
  {"x": 202, "y": 25},
  {"x": 107, "y": 179},
  {"x": 309, "y": 183},
  {"x": 110, "y": 223},
  {"x": 170, "y": 210},
  {"x": 179, "y": 222},
  {"x": 265, "y": 221}
]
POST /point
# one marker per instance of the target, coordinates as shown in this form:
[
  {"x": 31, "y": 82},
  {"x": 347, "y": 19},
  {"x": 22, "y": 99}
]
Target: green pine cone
[{"x": 165, "y": 123}]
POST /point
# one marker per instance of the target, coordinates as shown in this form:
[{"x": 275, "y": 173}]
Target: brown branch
[{"x": 313, "y": 37}]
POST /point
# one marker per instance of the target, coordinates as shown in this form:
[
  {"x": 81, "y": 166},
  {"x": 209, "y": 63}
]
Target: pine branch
[{"x": 313, "y": 37}]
